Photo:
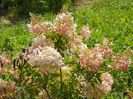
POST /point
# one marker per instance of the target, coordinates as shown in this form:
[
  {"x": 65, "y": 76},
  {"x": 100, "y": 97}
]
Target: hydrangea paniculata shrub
[
  {"x": 51, "y": 36},
  {"x": 58, "y": 64}
]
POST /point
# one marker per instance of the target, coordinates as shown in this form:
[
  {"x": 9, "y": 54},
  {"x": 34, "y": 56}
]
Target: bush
[
  {"x": 21, "y": 8},
  {"x": 58, "y": 63}
]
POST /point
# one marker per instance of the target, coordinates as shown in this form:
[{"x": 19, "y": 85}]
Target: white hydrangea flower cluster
[
  {"x": 46, "y": 56},
  {"x": 107, "y": 82},
  {"x": 43, "y": 54},
  {"x": 41, "y": 41}
]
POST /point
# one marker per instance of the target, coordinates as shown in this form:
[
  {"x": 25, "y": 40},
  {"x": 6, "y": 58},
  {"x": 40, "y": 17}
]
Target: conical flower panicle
[
  {"x": 38, "y": 29},
  {"x": 64, "y": 24},
  {"x": 107, "y": 82},
  {"x": 90, "y": 60},
  {"x": 103, "y": 49},
  {"x": 41, "y": 41},
  {"x": 121, "y": 62},
  {"x": 45, "y": 56}
]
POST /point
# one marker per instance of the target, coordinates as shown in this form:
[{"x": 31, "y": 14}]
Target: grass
[
  {"x": 112, "y": 19},
  {"x": 14, "y": 38}
]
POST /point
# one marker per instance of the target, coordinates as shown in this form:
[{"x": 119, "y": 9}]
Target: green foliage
[
  {"x": 21, "y": 8},
  {"x": 108, "y": 18},
  {"x": 14, "y": 38},
  {"x": 55, "y": 5}
]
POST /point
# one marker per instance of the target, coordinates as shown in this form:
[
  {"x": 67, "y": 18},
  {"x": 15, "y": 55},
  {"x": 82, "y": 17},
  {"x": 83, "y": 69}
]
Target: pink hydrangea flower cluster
[
  {"x": 121, "y": 62},
  {"x": 9, "y": 87},
  {"x": 90, "y": 60},
  {"x": 93, "y": 58},
  {"x": 40, "y": 28},
  {"x": 5, "y": 61},
  {"x": 107, "y": 82},
  {"x": 103, "y": 49},
  {"x": 1, "y": 70},
  {"x": 64, "y": 24}
]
